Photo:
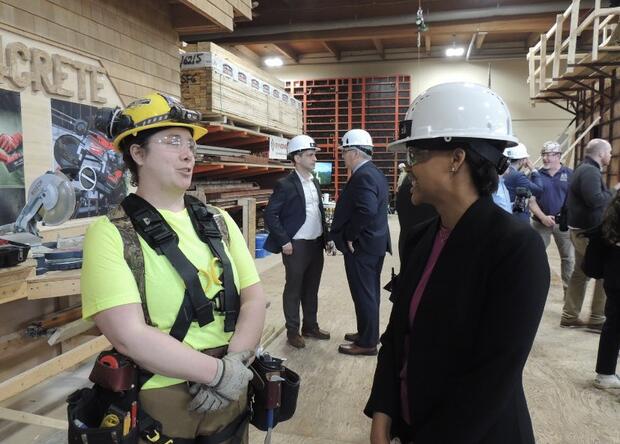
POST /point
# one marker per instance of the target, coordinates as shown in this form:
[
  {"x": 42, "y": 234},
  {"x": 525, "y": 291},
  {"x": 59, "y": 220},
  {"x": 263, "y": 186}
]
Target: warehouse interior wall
[{"x": 532, "y": 125}]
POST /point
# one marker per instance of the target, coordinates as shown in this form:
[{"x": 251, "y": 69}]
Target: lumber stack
[
  {"x": 226, "y": 193},
  {"x": 218, "y": 83}
]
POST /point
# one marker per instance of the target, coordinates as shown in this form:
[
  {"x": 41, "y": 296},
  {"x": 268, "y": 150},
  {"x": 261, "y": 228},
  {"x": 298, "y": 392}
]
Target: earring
[{"x": 453, "y": 170}]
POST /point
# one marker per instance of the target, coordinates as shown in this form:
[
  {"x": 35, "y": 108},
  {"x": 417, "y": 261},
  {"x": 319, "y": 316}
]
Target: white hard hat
[
  {"x": 357, "y": 138},
  {"x": 456, "y": 110},
  {"x": 516, "y": 152},
  {"x": 299, "y": 143},
  {"x": 401, "y": 166},
  {"x": 551, "y": 146}
]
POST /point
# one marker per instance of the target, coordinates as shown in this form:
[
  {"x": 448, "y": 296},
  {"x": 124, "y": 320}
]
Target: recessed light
[
  {"x": 455, "y": 52},
  {"x": 273, "y": 62}
]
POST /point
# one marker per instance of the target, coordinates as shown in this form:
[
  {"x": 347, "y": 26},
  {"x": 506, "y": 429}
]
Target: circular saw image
[{"x": 66, "y": 151}]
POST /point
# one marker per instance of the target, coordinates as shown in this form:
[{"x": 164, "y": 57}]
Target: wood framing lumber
[
  {"x": 52, "y": 367},
  {"x": 70, "y": 330},
  {"x": 31, "y": 418}
]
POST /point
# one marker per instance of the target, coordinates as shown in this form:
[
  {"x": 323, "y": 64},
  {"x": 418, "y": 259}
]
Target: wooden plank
[
  {"x": 543, "y": 63},
  {"x": 427, "y": 43},
  {"x": 286, "y": 51},
  {"x": 331, "y": 48},
  {"x": 248, "y": 205},
  {"x": 31, "y": 418},
  {"x": 13, "y": 281},
  {"x": 572, "y": 39},
  {"x": 480, "y": 39},
  {"x": 40, "y": 373},
  {"x": 557, "y": 46},
  {"x": 597, "y": 6},
  {"x": 220, "y": 13},
  {"x": 54, "y": 284},
  {"x": 70, "y": 330}
]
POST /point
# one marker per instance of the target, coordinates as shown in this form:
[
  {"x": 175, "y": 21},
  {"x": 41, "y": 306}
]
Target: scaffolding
[{"x": 579, "y": 75}]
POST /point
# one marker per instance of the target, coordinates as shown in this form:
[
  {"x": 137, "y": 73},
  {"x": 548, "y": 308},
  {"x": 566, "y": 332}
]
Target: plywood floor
[{"x": 565, "y": 408}]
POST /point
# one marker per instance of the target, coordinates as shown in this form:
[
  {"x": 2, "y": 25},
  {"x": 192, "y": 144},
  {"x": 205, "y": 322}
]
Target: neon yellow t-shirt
[{"x": 107, "y": 281}]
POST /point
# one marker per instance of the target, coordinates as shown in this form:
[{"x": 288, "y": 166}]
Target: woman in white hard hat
[{"x": 449, "y": 369}]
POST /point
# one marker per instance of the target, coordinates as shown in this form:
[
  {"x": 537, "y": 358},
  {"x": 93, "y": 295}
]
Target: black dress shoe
[
  {"x": 315, "y": 333},
  {"x": 352, "y": 337},
  {"x": 354, "y": 349}
]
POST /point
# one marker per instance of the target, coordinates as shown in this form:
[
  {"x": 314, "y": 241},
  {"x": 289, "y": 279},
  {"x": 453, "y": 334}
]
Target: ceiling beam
[
  {"x": 220, "y": 13},
  {"x": 248, "y": 53},
  {"x": 287, "y": 51},
  {"x": 331, "y": 48},
  {"x": 379, "y": 46},
  {"x": 480, "y": 38},
  {"x": 536, "y": 25}
]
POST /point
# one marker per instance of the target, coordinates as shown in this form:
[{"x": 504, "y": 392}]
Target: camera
[{"x": 522, "y": 196}]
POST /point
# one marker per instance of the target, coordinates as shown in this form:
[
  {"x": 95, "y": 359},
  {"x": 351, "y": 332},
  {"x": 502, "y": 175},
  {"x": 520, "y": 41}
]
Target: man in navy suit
[
  {"x": 295, "y": 219},
  {"x": 360, "y": 230}
]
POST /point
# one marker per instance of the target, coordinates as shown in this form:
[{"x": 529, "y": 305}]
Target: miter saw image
[
  {"x": 51, "y": 200},
  {"x": 86, "y": 157}
]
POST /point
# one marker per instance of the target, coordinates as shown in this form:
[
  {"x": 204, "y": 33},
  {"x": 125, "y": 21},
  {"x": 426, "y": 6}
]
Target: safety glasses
[
  {"x": 549, "y": 154},
  {"x": 417, "y": 155},
  {"x": 177, "y": 143}
]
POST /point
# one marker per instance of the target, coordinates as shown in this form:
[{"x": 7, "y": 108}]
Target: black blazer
[
  {"x": 286, "y": 212},
  {"x": 361, "y": 213},
  {"x": 472, "y": 332}
]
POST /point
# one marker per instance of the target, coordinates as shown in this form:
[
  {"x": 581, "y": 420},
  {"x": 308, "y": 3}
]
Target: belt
[{"x": 216, "y": 352}]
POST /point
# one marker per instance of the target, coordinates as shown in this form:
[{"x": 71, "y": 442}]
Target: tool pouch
[
  {"x": 273, "y": 388},
  {"x": 115, "y": 394}
]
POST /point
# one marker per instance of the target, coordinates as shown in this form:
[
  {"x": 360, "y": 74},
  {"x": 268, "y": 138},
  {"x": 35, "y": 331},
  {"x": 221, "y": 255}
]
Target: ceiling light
[
  {"x": 455, "y": 52},
  {"x": 273, "y": 62}
]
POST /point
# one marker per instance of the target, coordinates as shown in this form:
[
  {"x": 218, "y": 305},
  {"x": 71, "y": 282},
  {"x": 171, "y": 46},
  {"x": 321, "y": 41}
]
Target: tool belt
[
  {"x": 109, "y": 411},
  {"x": 273, "y": 392}
]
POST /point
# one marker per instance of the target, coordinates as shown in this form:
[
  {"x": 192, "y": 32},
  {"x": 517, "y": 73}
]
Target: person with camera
[
  {"x": 549, "y": 207},
  {"x": 588, "y": 196},
  {"x": 521, "y": 187},
  {"x": 170, "y": 282},
  {"x": 451, "y": 359}
]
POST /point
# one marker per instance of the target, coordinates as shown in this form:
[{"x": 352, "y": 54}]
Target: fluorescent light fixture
[
  {"x": 455, "y": 52},
  {"x": 273, "y": 62}
]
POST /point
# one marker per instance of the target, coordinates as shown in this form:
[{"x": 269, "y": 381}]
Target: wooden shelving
[{"x": 334, "y": 106}]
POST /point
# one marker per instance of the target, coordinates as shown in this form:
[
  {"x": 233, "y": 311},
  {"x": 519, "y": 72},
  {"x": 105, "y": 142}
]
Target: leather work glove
[
  {"x": 234, "y": 376},
  {"x": 205, "y": 399}
]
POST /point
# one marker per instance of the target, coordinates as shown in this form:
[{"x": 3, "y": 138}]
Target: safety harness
[{"x": 135, "y": 216}]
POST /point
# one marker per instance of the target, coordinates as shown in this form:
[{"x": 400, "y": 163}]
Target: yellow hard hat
[{"x": 155, "y": 110}]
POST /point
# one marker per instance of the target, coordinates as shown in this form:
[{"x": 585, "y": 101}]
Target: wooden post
[
  {"x": 572, "y": 38},
  {"x": 597, "y": 6},
  {"x": 557, "y": 46},
  {"x": 248, "y": 204},
  {"x": 532, "y": 79},
  {"x": 543, "y": 63}
]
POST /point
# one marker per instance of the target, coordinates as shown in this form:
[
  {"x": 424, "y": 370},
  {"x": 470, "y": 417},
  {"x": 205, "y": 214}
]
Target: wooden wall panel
[{"x": 134, "y": 41}]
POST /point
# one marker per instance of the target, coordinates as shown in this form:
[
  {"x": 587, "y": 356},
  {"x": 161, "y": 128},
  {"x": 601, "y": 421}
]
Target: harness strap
[
  {"x": 205, "y": 224},
  {"x": 161, "y": 237}
]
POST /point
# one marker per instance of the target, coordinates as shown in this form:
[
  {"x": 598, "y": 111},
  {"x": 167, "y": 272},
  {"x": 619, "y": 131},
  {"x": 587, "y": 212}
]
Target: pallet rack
[{"x": 331, "y": 107}]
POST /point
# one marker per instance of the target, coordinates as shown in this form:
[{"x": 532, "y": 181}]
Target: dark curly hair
[
  {"x": 611, "y": 221},
  {"x": 139, "y": 139}
]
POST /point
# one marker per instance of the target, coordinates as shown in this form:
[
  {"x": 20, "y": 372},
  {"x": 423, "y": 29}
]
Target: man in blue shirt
[
  {"x": 501, "y": 197},
  {"x": 547, "y": 206},
  {"x": 521, "y": 187}
]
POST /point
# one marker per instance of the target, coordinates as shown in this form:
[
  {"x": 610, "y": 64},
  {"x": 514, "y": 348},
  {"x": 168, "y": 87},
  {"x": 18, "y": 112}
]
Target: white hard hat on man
[
  {"x": 357, "y": 138},
  {"x": 300, "y": 143}
]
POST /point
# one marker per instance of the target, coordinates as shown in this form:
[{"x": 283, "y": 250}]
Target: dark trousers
[
  {"x": 303, "y": 275},
  {"x": 609, "y": 344},
  {"x": 364, "y": 274}
]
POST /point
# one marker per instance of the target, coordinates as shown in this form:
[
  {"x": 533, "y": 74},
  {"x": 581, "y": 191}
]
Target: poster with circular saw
[
  {"x": 87, "y": 158},
  {"x": 12, "y": 193}
]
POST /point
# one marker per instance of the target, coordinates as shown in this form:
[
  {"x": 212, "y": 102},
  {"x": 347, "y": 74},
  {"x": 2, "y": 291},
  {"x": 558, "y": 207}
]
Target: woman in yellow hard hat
[{"x": 183, "y": 303}]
